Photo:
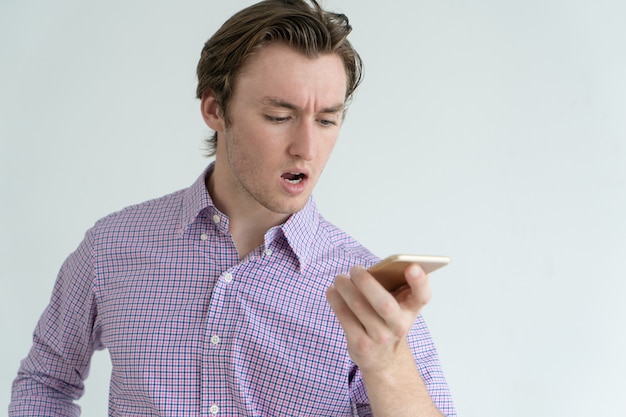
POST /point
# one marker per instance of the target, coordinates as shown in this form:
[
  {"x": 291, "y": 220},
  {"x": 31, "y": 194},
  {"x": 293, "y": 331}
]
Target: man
[{"x": 231, "y": 297}]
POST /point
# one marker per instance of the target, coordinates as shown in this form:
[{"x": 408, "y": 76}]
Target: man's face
[{"x": 285, "y": 114}]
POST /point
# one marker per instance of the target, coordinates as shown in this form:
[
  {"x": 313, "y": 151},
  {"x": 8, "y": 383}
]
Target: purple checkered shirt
[{"x": 193, "y": 331}]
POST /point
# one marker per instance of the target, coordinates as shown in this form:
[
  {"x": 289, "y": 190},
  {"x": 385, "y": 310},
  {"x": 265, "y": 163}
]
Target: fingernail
[
  {"x": 414, "y": 271},
  {"x": 355, "y": 269}
]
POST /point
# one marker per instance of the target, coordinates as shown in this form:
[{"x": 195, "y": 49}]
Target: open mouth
[{"x": 293, "y": 177}]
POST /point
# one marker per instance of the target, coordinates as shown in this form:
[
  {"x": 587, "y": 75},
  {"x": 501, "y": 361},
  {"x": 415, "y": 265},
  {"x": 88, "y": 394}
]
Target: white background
[{"x": 490, "y": 131}]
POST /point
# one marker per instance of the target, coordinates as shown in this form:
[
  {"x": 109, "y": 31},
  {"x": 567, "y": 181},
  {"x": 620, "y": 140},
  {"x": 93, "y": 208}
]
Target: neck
[{"x": 248, "y": 221}]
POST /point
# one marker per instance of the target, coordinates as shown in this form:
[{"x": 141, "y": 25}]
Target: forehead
[{"x": 278, "y": 70}]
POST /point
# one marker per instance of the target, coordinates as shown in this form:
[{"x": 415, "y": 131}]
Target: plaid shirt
[{"x": 193, "y": 331}]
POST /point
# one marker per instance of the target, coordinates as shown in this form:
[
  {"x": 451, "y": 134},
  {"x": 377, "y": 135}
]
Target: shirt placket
[
  {"x": 214, "y": 355},
  {"x": 216, "y": 362}
]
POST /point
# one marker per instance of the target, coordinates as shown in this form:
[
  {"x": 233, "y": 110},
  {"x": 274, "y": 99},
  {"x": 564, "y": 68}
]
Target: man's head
[{"x": 305, "y": 27}]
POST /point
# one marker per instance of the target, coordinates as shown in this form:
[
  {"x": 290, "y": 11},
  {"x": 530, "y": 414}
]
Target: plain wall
[{"x": 490, "y": 131}]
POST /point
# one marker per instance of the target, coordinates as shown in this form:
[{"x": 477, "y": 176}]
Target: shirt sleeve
[
  {"x": 429, "y": 366},
  {"x": 427, "y": 361},
  {"x": 51, "y": 377}
]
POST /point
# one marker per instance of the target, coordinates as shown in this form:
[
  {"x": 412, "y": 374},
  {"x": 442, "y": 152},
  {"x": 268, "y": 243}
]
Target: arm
[
  {"x": 376, "y": 324},
  {"x": 51, "y": 377}
]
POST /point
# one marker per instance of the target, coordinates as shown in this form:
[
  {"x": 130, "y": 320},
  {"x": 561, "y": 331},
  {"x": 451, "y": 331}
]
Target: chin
[{"x": 289, "y": 208}]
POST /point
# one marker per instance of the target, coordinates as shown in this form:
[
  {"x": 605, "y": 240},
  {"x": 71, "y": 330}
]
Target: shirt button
[
  {"x": 214, "y": 409},
  {"x": 228, "y": 277},
  {"x": 267, "y": 252},
  {"x": 216, "y": 219},
  {"x": 204, "y": 236},
  {"x": 215, "y": 340}
]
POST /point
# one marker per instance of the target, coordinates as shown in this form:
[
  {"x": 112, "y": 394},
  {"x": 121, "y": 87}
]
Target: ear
[{"x": 212, "y": 112}]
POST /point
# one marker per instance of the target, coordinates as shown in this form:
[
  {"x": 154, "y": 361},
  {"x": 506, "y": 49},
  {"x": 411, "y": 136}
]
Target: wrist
[
  {"x": 398, "y": 389},
  {"x": 393, "y": 369}
]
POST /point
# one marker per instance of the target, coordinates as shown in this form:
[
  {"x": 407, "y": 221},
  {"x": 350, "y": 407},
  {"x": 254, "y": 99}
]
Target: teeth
[{"x": 294, "y": 177}]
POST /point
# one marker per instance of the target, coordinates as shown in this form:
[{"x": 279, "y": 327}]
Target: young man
[{"x": 231, "y": 297}]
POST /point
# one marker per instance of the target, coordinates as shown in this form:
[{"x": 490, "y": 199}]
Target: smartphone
[{"x": 390, "y": 271}]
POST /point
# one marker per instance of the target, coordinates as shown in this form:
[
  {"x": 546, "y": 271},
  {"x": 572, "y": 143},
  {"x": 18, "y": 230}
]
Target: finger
[
  {"x": 350, "y": 324},
  {"x": 383, "y": 303},
  {"x": 392, "y": 321},
  {"x": 419, "y": 293},
  {"x": 361, "y": 346},
  {"x": 360, "y": 307},
  {"x": 400, "y": 309}
]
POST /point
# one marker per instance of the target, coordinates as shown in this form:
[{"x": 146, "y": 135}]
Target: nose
[{"x": 303, "y": 143}]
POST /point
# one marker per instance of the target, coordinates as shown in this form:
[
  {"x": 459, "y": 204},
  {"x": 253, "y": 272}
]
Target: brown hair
[{"x": 306, "y": 27}]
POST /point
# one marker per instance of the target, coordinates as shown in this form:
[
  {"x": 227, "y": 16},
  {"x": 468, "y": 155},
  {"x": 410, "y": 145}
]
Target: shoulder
[
  {"x": 339, "y": 244},
  {"x": 157, "y": 215}
]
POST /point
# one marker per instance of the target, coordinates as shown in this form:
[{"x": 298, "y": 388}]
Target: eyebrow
[{"x": 277, "y": 102}]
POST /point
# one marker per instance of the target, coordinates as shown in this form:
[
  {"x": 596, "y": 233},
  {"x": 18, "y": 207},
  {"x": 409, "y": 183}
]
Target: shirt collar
[
  {"x": 298, "y": 229},
  {"x": 196, "y": 199}
]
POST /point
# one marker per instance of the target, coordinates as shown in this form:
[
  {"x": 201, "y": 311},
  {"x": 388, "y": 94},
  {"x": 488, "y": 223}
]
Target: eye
[
  {"x": 327, "y": 122},
  {"x": 276, "y": 119}
]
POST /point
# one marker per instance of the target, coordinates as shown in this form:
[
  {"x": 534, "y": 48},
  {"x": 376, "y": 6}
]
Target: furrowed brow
[
  {"x": 276, "y": 102},
  {"x": 334, "y": 109}
]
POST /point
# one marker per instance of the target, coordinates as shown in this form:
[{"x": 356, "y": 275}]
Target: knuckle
[
  {"x": 401, "y": 330},
  {"x": 357, "y": 305},
  {"x": 387, "y": 309},
  {"x": 364, "y": 344}
]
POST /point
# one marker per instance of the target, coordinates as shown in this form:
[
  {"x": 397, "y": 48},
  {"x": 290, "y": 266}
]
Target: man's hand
[{"x": 376, "y": 324}]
